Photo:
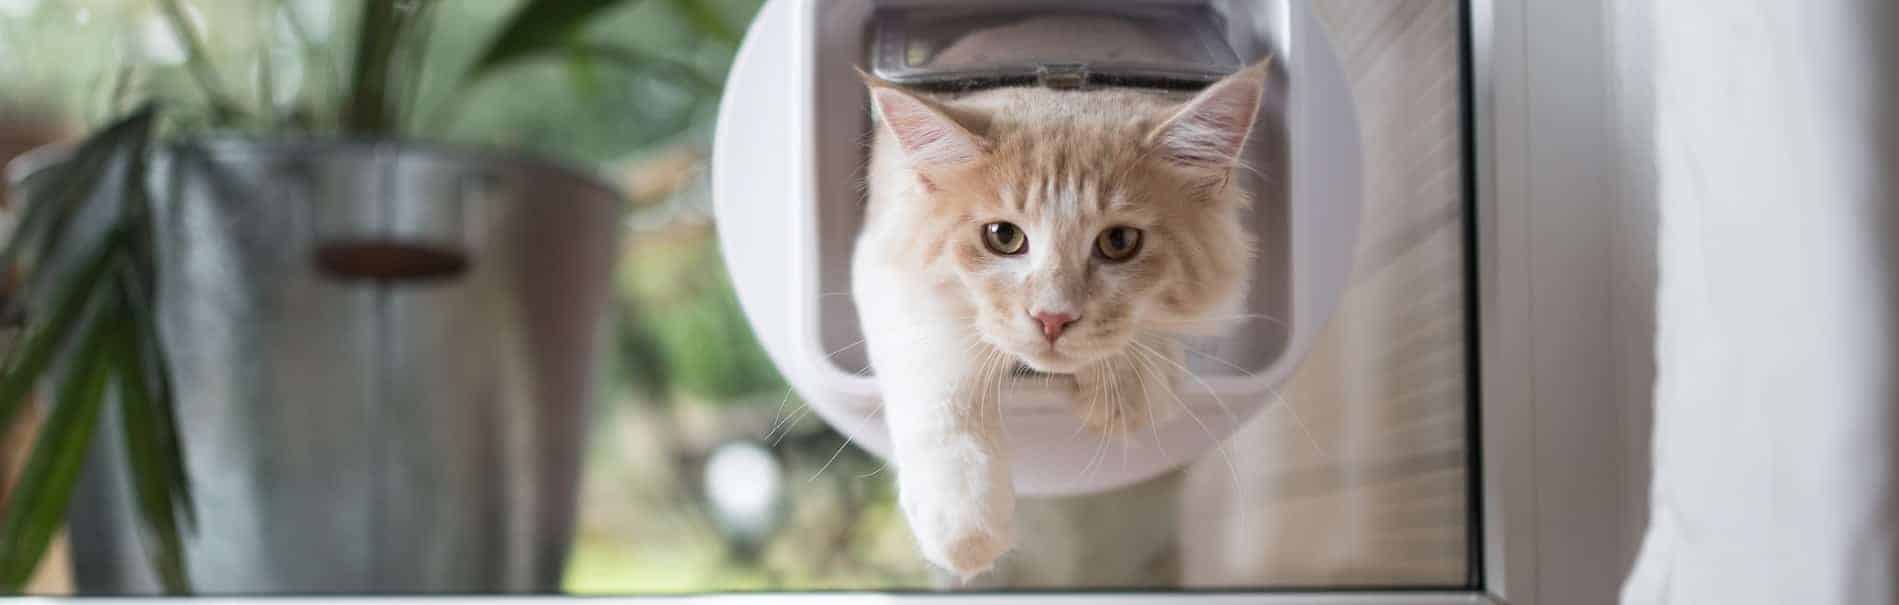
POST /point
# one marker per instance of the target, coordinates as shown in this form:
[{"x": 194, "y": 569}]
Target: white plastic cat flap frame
[{"x": 787, "y": 167}]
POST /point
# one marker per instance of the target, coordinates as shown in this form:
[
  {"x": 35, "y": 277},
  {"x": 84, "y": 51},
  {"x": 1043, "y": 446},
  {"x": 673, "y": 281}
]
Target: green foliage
[
  {"x": 705, "y": 18},
  {"x": 697, "y": 331},
  {"x": 195, "y": 60},
  {"x": 710, "y": 351},
  {"x": 538, "y": 27},
  {"x": 376, "y": 39},
  {"x": 641, "y": 361},
  {"x": 92, "y": 324},
  {"x": 52, "y": 470},
  {"x": 100, "y": 331},
  {"x": 651, "y": 77}
]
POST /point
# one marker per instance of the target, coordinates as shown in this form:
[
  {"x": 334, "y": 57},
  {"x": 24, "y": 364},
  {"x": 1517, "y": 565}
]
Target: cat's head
[{"x": 1075, "y": 220}]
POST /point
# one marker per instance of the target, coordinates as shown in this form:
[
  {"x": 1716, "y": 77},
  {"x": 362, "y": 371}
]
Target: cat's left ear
[{"x": 1209, "y": 132}]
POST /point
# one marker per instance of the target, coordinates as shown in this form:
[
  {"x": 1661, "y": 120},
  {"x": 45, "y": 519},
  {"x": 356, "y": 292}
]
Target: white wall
[{"x": 1777, "y": 410}]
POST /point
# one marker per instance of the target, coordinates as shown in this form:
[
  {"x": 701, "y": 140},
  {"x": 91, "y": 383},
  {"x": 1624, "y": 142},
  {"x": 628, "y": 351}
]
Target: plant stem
[
  {"x": 197, "y": 62},
  {"x": 375, "y": 52},
  {"x": 322, "y": 61},
  {"x": 415, "y": 68}
]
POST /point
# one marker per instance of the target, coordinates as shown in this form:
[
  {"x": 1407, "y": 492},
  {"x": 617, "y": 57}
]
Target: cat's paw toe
[
  {"x": 971, "y": 553},
  {"x": 965, "y": 547}
]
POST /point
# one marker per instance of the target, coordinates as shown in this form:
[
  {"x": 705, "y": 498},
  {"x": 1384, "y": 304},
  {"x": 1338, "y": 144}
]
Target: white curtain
[{"x": 1776, "y": 174}]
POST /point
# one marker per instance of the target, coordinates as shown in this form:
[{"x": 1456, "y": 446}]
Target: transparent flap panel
[{"x": 1180, "y": 44}]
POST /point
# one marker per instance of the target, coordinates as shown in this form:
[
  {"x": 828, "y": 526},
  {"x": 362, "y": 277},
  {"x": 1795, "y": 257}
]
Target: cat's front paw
[
  {"x": 963, "y": 520},
  {"x": 960, "y": 544}
]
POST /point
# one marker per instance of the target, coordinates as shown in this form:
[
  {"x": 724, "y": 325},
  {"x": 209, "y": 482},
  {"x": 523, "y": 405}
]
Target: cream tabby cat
[{"x": 1050, "y": 228}]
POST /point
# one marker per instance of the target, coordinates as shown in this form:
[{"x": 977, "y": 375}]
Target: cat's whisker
[
  {"x": 840, "y": 449},
  {"x": 1267, "y": 178},
  {"x": 1243, "y": 371},
  {"x": 967, "y": 387},
  {"x": 778, "y": 416},
  {"x": 803, "y": 408},
  {"x": 1205, "y": 320},
  {"x": 1114, "y": 411},
  {"x": 1219, "y": 444},
  {"x": 784, "y": 424},
  {"x": 791, "y": 424},
  {"x": 1093, "y": 400},
  {"x": 1119, "y": 411},
  {"x": 1125, "y": 431},
  {"x": 1114, "y": 403},
  {"x": 1277, "y": 394},
  {"x": 1161, "y": 377},
  {"x": 1002, "y": 416},
  {"x": 1101, "y": 396},
  {"x": 1314, "y": 442},
  {"x": 1153, "y": 425},
  {"x": 873, "y": 472},
  {"x": 1083, "y": 471},
  {"x": 1190, "y": 374},
  {"x": 970, "y": 344},
  {"x": 981, "y": 386},
  {"x": 779, "y": 424},
  {"x": 997, "y": 371},
  {"x": 1101, "y": 450}
]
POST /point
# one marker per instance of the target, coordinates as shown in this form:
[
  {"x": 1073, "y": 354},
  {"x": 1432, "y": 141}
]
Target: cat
[{"x": 1066, "y": 231}]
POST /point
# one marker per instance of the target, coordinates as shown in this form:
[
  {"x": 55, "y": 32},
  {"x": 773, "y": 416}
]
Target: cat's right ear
[{"x": 930, "y": 137}]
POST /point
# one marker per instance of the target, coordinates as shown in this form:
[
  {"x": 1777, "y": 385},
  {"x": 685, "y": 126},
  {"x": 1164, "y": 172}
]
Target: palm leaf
[
  {"x": 38, "y": 508},
  {"x": 148, "y": 361},
  {"x": 646, "y": 63},
  {"x": 150, "y": 454},
  {"x": 708, "y": 21},
  {"x": 46, "y": 340},
  {"x": 198, "y": 63},
  {"x": 378, "y": 37},
  {"x": 56, "y": 193},
  {"x": 540, "y": 27}
]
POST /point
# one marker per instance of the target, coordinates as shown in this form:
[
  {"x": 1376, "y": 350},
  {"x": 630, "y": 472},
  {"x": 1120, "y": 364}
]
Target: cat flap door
[
  {"x": 1162, "y": 46},
  {"x": 787, "y": 180}
]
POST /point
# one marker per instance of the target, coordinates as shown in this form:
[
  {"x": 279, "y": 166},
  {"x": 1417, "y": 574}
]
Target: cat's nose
[{"x": 1053, "y": 324}]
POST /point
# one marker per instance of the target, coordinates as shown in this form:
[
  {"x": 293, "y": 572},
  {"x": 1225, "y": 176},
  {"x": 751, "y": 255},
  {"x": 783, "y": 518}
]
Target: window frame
[{"x": 1518, "y": 225}]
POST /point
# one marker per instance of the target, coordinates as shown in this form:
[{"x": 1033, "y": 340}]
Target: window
[{"x": 704, "y": 471}]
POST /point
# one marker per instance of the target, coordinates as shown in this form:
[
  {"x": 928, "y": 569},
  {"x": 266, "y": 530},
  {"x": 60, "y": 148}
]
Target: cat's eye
[
  {"x": 1004, "y": 238},
  {"x": 1117, "y": 244}
]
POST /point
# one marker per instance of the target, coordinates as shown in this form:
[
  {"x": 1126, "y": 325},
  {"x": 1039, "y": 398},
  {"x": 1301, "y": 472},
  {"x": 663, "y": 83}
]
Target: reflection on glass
[{"x": 703, "y": 472}]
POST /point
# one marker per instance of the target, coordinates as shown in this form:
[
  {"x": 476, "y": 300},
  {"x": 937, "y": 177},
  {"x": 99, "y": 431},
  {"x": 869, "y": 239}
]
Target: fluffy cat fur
[{"x": 945, "y": 315}]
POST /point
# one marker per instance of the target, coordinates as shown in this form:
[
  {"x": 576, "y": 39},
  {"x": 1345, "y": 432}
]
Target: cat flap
[{"x": 1165, "y": 46}]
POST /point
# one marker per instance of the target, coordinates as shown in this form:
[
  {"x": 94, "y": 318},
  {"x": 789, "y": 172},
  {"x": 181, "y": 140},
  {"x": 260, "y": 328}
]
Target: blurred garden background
[{"x": 702, "y": 474}]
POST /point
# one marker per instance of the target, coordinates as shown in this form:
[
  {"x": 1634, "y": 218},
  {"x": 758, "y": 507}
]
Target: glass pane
[
  {"x": 702, "y": 469},
  {"x": 938, "y": 44}
]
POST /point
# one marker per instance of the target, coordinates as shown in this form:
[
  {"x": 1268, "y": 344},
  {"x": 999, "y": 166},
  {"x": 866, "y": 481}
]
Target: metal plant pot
[{"x": 384, "y": 355}]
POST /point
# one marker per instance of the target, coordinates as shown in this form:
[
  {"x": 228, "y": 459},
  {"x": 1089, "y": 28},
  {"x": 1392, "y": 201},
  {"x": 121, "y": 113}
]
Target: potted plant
[{"x": 303, "y": 347}]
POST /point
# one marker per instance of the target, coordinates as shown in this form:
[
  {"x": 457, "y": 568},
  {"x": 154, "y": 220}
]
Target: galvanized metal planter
[{"x": 384, "y": 355}]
